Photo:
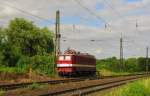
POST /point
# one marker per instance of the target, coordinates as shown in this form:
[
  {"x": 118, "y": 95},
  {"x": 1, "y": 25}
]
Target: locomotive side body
[
  {"x": 84, "y": 64},
  {"x": 76, "y": 64}
]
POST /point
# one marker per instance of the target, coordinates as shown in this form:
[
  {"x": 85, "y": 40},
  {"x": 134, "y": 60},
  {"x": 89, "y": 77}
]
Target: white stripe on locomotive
[{"x": 74, "y": 65}]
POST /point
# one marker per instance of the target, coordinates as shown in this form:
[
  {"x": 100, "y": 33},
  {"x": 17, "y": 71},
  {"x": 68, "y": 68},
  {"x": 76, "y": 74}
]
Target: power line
[
  {"x": 25, "y": 12},
  {"x": 105, "y": 1},
  {"x": 90, "y": 11},
  {"x": 114, "y": 10}
]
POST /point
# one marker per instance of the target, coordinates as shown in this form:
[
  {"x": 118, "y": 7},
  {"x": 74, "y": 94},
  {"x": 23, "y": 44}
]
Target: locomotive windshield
[
  {"x": 67, "y": 57},
  {"x": 61, "y": 58}
]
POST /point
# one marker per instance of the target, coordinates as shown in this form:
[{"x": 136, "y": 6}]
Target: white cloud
[{"x": 8, "y": 11}]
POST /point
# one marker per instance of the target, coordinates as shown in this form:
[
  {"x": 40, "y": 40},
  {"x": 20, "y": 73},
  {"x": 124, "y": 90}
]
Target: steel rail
[
  {"x": 10, "y": 86},
  {"x": 81, "y": 91}
]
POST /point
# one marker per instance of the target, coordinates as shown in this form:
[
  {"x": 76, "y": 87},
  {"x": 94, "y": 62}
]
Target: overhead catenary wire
[
  {"x": 91, "y": 12},
  {"x": 110, "y": 6},
  {"x": 25, "y": 12},
  {"x": 41, "y": 18},
  {"x": 28, "y": 13},
  {"x": 117, "y": 13}
]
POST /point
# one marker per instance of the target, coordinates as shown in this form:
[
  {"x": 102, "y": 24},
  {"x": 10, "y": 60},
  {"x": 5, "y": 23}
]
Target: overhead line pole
[
  {"x": 57, "y": 38},
  {"x": 58, "y": 32},
  {"x": 121, "y": 53},
  {"x": 147, "y": 63}
]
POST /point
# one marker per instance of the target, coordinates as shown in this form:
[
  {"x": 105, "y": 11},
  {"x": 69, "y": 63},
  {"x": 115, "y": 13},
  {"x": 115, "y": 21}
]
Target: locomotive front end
[{"x": 64, "y": 64}]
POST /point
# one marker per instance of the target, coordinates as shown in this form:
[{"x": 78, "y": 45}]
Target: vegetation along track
[
  {"x": 90, "y": 86},
  {"x": 10, "y": 86}
]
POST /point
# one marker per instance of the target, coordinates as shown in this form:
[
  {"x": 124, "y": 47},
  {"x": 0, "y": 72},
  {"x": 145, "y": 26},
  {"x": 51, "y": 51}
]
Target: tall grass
[
  {"x": 106, "y": 72},
  {"x": 2, "y": 92},
  {"x": 138, "y": 88},
  {"x": 17, "y": 70}
]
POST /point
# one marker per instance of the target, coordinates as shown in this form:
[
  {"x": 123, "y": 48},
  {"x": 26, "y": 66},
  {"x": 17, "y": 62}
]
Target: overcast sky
[{"x": 101, "y": 20}]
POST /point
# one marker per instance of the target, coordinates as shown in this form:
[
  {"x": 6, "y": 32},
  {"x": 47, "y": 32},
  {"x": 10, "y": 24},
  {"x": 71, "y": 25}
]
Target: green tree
[
  {"x": 131, "y": 65},
  {"x": 24, "y": 39},
  {"x": 108, "y": 63},
  {"x": 142, "y": 63},
  {"x": 1, "y": 44}
]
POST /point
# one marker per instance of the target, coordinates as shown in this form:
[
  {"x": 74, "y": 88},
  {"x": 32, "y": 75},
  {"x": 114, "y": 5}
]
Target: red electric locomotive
[{"x": 76, "y": 63}]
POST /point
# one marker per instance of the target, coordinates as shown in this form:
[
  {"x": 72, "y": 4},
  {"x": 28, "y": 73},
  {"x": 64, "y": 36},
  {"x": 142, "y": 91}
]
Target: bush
[
  {"x": 43, "y": 64},
  {"x": 40, "y": 64}
]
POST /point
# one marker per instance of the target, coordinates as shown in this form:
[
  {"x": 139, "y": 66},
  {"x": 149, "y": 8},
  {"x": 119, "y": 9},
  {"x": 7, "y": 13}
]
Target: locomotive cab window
[
  {"x": 67, "y": 57},
  {"x": 61, "y": 57}
]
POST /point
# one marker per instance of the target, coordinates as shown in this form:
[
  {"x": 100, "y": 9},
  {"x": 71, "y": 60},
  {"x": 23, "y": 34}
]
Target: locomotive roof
[
  {"x": 75, "y": 53},
  {"x": 84, "y": 55}
]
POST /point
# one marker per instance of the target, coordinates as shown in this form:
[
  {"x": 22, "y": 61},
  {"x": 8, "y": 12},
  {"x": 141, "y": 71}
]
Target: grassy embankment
[{"x": 138, "y": 88}]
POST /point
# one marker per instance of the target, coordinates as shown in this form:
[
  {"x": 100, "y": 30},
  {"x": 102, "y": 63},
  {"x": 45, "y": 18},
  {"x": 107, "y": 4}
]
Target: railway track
[
  {"x": 79, "y": 88},
  {"x": 89, "y": 87},
  {"x": 10, "y": 86}
]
